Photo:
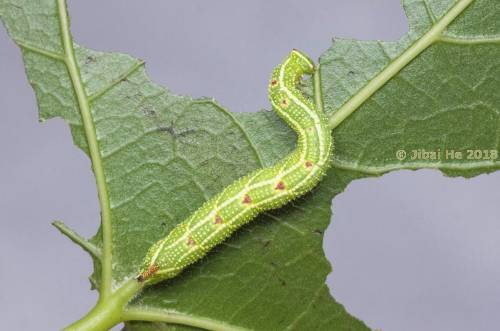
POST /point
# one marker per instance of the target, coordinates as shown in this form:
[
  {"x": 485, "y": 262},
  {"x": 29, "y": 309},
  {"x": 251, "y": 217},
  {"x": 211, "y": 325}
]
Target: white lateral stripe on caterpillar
[
  {"x": 309, "y": 111},
  {"x": 262, "y": 190},
  {"x": 225, "y": 204}
]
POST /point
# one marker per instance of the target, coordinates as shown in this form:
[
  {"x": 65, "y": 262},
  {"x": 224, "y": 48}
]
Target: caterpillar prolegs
[{"x": 262, "y": 190}]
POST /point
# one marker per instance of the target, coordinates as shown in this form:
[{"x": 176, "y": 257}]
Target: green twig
[{"x": 109, "y": 312}]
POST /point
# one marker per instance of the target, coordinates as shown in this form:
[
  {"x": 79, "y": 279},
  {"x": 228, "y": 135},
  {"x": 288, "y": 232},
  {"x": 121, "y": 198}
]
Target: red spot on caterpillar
[
  {"x": 218, "y": 219},
  {"x": 280, "y": 186},
  {"x": 274, "y": 82},
  {"x": 309, "y": 164},
  {"x": 191, "y": 242},
  {"x": 246, "y": 199},
  {"x": 148, "y": 273},
  {"x": 285, "y": 102}
]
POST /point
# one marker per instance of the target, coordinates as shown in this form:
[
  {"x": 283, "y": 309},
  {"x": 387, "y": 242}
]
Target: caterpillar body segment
[{"x": 261, "y": 190}]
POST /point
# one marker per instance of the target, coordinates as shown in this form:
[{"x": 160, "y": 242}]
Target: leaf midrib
[
  {"x": 394, "y": 67},
  {"x": 93, "y": 145}
]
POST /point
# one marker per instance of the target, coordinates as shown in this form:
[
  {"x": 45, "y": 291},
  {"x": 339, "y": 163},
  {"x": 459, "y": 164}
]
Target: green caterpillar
[{"x": 262, "y": 190}]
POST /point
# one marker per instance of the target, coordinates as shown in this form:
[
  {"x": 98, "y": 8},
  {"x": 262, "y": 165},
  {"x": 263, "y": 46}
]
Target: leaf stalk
[{"x": 108, "y": 312}]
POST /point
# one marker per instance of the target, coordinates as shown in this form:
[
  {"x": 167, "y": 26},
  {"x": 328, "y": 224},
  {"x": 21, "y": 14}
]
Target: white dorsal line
[
  {"x": 307, "y": 60},
  {"x": 313, "y": 115},
  {"x": 238, "y": 196},
  {"x": 270, "y": 199},
  {"x": 282, "y": 87},
  {"x": 315, "y": 118}
]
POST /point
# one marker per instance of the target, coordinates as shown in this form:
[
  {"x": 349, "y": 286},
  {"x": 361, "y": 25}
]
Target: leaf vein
[
  {"x": 44, "y": 52},
  {"x": 118, "y": 80}
]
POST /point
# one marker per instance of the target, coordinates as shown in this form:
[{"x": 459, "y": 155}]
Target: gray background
[{"x": 411, "y": 250}]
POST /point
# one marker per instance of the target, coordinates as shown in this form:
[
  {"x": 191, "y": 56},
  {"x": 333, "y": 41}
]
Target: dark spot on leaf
[
  {"x": 167, "y": 129},
  {"x": 172, "y": 131},
  {"x": 318, "y": 232},
  {"x": 90, "y": 59},
  {"x": 186, "y": 132},
  {"x": 148, "y": 111}
]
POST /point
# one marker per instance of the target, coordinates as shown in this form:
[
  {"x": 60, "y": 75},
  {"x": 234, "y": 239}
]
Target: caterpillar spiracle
[{"x": 262, "y": 190}]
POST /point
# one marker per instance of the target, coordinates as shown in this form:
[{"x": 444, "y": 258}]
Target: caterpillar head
[{"x": 303, "y": 61}]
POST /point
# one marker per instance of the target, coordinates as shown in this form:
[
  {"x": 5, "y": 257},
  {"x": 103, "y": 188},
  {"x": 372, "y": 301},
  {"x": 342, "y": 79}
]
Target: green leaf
[
  {"x": 157, "y": 326},
  {"x": 161, "y": 155},
  {"x": 445, "y": 99}
]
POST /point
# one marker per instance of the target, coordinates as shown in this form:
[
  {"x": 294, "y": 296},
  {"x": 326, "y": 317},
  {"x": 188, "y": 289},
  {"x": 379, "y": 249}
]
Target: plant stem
[
  {"x": 93, "y": 145},
  {"x": 108, "y": 312}
]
